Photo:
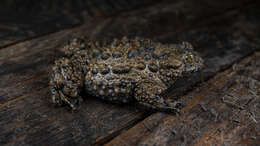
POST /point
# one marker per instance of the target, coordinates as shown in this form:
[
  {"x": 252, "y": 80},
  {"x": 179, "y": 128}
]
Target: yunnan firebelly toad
[{"x": 122, "y": 71}]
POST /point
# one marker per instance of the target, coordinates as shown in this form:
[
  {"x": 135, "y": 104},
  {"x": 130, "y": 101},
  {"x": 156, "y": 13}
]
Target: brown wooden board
[
  {"x": 24, "y": 20},
  {"x": 223, "y": 111},
  {"x": 27, "y": 19},
  {"x": 22, "y": 61},
  {"x": 28, "y": 117}
]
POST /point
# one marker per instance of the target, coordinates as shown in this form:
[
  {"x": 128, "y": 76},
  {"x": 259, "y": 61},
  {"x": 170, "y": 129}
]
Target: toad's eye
[{"x": 190, "y": 58}]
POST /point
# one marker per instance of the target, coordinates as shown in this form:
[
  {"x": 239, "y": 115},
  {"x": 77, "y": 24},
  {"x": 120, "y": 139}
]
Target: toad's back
[{"x": 114, "y": 70}]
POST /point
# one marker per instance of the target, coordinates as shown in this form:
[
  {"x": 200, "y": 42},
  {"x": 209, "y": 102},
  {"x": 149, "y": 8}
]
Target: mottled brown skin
[{"x": 125, "y": 70}]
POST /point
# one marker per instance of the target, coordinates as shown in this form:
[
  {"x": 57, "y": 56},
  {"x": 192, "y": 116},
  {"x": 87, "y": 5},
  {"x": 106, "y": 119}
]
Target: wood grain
[
  {"x": 25, "y": 20},
  {"x": 28, "y": 118},
  {"x": 224, "y": 110}
]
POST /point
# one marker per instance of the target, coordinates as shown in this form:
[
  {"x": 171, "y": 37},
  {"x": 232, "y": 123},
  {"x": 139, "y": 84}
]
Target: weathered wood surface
[
  {"x": 222, "y": 111},
  {"x": 24, "y": 20},
  {"x": 28, "y": 117}
]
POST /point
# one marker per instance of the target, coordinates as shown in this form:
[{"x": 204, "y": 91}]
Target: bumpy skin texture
[{"x": 125, "y": 70}]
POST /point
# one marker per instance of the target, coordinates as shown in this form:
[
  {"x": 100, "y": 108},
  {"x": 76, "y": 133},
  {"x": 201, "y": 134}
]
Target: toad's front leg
[
  {"x": 66, "y": 83},
  {"x": 148, "y": 93}
]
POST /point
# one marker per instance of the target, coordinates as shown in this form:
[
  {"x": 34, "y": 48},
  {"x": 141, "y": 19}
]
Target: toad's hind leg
[{"x": 148, "y": 93}]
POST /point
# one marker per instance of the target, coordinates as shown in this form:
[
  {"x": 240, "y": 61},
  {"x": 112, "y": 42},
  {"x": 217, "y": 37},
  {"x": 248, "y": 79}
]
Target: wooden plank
[
  {"x": 175, "y": 17},
  {"x": 16, "y": 28},
  {"x": 26, "y": 20},
  {"x": 29, "y": 19},
  {"x": 29, "y": 120},
  {"x": 33, "y": 55},
  {"x": 224, "y": 110},
  {"x": 25, "y": 67}
]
